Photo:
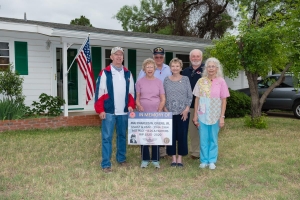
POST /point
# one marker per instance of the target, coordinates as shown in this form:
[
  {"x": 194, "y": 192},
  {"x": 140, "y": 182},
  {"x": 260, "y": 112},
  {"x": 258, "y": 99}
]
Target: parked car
[{"x": 283, "y": 97}]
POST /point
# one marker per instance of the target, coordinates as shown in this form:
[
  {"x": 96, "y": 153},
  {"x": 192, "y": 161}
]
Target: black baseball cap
[{"x": 158, "y": 50}]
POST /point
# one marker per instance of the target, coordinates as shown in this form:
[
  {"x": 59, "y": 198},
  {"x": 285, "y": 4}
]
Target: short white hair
[{"x": 196, "y": 50}]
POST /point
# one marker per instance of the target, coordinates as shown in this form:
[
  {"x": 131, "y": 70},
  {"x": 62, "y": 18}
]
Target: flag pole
[{"x": 79, "y": 52}]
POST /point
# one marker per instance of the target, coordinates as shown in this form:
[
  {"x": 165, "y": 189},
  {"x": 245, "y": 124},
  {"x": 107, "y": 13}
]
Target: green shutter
[
  {"x": 21, "y": 58},
  {"x": 96, "y": 61},
  {"x": 72, "y": 78},
  {"x": 169, "y": 57},
  {"x": 132, "y": 62}
]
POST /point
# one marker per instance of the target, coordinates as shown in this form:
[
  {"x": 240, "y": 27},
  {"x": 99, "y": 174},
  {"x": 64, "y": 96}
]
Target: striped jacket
[{"x": 104, "y": 95}]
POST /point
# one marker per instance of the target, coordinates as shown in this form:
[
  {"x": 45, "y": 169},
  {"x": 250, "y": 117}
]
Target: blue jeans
[
  {"x": 107, "y": 130},
  {"x": 209, "y": 142}
]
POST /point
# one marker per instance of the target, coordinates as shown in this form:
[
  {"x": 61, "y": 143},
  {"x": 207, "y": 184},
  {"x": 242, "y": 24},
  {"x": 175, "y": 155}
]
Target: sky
[{"x": 99, "y": 12}]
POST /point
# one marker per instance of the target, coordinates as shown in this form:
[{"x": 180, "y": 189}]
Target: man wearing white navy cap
[{"x": 114, "y": 97}]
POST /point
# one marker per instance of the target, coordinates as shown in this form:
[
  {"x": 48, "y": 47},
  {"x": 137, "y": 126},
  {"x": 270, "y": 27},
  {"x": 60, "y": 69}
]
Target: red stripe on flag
[{"x": 85, "y": 65}]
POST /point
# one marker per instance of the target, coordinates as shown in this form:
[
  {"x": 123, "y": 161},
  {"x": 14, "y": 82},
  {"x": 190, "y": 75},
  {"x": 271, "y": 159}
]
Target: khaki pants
[
  {"x": 194, "y": 136},
  {"x": 162, "y": 151}
]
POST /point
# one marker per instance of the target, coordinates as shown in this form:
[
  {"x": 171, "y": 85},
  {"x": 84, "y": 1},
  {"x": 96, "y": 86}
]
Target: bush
[
  {"x": 238, "y": 104},
  {"x": 11, "y": 109},
  {"x": 11, "y": 84},
  {"x": 258, "y": 122},
  {"x": 48, "y": 105},
  {"x": 12, "y": 101}
]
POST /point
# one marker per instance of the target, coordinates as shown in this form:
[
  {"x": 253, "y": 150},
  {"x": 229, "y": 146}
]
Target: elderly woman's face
[
  {"x": 211, "y": 69},
  {"x": 149, "y": 70},
  {"x": 175, "y": 68}
]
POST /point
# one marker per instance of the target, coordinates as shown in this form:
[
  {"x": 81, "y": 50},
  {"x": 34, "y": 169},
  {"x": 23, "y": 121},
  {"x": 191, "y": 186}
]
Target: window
[
  {"x": 185, "y": 60},
  {"x": 4, "y": 55},
  {"x": 107, "y": 57}
]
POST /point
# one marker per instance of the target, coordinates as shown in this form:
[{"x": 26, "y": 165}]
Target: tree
[
  {"x": 82, "y": 21},
  {"x": 201, "y": 18},
  {"x": 268, "y": 40}
]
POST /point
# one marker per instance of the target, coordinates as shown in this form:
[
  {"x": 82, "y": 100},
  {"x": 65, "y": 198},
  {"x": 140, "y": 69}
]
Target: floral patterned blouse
[{"x": 210, "y": 93}]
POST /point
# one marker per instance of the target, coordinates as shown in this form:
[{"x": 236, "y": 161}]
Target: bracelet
[{"x": 223, "y": 116}]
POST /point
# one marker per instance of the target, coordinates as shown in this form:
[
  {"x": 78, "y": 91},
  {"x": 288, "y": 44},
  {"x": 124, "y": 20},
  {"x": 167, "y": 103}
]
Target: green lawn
[{"x": 64, "y": 164}]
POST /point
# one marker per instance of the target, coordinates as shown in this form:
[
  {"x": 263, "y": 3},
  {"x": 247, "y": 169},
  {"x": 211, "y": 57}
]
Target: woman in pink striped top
[{"x": 211, "y": 92}]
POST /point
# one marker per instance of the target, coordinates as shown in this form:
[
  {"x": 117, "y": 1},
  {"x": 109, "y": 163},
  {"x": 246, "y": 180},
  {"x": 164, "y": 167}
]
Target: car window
[
  {"x": 288, "y": 82},
  {"x": 267, "y": 82}
]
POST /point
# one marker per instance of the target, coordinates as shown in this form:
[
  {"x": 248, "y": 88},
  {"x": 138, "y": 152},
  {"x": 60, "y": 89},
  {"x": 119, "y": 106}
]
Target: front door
[{"x": 72, "y": 76}]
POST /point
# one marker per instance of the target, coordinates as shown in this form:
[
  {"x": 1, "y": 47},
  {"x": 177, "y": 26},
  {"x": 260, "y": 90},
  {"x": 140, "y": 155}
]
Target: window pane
[
  {"x": 185, "y": 65},
  {"x": 4, "y": 61},
  {"x": 183, "y": 57},
  {"x": 4, "y": 45},
  {"x": 4, "y": 52},
  {"x": 107, "y": 57},
  {"x": 185, "y": 60},
  {"x": 289, "y": 81},
  {"x": 3, "y": 67}
]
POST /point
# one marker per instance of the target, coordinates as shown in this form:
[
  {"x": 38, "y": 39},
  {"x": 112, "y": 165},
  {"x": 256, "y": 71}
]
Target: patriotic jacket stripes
[{"x": 104, "y": 99}]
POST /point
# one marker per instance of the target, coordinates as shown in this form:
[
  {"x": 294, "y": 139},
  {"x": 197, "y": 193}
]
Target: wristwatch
[{"x": 223, "y": 116}]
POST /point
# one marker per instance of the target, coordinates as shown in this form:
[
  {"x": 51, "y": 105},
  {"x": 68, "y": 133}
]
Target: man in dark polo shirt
[{"x": 194, "y": 72}]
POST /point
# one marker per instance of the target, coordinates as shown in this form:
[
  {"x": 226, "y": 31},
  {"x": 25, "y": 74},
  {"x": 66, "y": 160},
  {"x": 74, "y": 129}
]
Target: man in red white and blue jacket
[{"x": 114, "y": 97}]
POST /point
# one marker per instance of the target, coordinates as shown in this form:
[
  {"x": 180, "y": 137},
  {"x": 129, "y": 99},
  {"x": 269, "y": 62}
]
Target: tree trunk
[{"x": 255, "y": 100}]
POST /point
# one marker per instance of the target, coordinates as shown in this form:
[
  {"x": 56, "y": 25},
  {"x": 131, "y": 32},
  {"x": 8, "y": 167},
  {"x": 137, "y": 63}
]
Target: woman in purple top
[{"x": 150, "y": 97}]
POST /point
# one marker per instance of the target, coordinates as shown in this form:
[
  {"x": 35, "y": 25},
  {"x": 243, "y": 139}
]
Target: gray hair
[
  {"x": 218, "y": 65},
  {"x": 196, "y": 50}
]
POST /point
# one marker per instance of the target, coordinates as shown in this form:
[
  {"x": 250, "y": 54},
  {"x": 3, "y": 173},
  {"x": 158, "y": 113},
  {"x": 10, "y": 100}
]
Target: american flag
[{"x": 85, "y": 65}]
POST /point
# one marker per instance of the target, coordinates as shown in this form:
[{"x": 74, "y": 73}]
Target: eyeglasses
[
  {"x": 211, "y": 66},
  {"x": 158, "y": 57},
  {"x": 193, "y": 73}
]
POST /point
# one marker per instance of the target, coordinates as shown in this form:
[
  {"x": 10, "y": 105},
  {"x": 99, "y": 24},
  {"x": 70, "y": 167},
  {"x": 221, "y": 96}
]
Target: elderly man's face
[
  {"x": 117, "y": 58},
  {"x": 196, "y": 58},
  {"x": 159, "y": 59}
]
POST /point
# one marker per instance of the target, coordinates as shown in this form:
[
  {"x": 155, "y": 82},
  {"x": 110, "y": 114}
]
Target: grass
[{"x": 64, "y": 164}]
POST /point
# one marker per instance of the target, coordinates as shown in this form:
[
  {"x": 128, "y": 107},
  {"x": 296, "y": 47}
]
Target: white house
[{"x": 42, "y": 51}]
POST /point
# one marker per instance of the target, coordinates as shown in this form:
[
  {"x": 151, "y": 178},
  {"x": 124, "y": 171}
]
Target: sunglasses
[{"x": 193, "y": 73}]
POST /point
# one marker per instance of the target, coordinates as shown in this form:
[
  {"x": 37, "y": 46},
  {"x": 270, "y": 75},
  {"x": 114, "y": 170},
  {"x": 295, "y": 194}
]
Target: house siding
[{"x": 42, "y": 61}]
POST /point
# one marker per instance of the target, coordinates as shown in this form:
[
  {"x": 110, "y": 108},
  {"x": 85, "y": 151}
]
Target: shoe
[
  {"x": 124, "y": 164},
  {"x": 173, "y": 164},
  {"x": 203, "y": 165},
  {"x": 156, "y": 164},
  {"x": 179, "y": 165},
  {"x": 194, "y": 157},
  {"x": 144, "y": 164},
  {"x": 107, "y": 170},
  {"x": 212, "y": 166}
]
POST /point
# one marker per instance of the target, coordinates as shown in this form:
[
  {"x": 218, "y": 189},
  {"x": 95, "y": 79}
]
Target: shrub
[
  {"x": 258, "y": 122},
  {"x": 11, "y": 84},
  {"x": 11, "y": 109},
  {"x": 12, "y": 101},
  {"x": 238, "y": 104},
  {"x": 48, "y": 105}
]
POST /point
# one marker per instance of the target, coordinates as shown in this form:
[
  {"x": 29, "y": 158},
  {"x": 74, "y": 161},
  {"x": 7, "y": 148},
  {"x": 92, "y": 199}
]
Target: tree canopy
[
  {"x": 268, "y": 41},
  {"x": 82, "y": 21},
  {"x": 200, "y": 18}
]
